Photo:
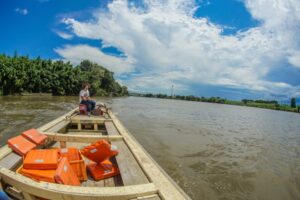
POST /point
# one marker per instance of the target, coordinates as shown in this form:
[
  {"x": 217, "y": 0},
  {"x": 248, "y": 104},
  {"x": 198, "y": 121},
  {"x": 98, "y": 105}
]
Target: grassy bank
[{"x": 273, "y": 104}]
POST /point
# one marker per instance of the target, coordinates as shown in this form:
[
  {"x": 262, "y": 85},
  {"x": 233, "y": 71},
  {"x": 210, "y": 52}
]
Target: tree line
[
  {"x": 268, "y": 104},
  {"x": 20, "y": 74}
]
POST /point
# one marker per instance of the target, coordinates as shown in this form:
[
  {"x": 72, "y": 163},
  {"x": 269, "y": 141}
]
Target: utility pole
[{"x": 172, "y": 91}]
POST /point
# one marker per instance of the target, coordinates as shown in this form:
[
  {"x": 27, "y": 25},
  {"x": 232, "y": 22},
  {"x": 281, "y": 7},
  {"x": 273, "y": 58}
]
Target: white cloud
[
  {"x": 64, "y": 35},
  {"x": 21, "y": 11},
  {"x": 77, "y": 53},
  {"x": 294, "y": 58},
  {"x": 296, "y": 94},
  {"x": 157, "y": 83},
  {"x": 167, "y": 45}
]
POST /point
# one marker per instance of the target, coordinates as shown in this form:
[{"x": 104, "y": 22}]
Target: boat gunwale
[{"x": 54, "y": 191}]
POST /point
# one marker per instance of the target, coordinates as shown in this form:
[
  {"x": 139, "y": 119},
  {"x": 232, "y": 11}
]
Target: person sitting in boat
[{"x": 85, "y": 99}]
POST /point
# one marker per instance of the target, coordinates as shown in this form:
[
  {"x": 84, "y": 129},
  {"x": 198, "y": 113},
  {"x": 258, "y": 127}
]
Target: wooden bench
[{"x": 131, "y": 172}]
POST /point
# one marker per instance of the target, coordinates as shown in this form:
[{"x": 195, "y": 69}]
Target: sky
[{"x": 228, "y": 48}]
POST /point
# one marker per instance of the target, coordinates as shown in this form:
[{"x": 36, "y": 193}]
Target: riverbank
[
  {"x": 282, "y": 107},
  {"x": 272, "y": 105}
]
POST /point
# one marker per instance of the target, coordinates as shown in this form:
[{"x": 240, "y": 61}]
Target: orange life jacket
[
  {"x": 102, "y": 170},
  {"x": 99, "y": 151},
  {"x": 20, "y": 145},
  {"x": 75, "y": 159},
  {"x": 65, "y": 174},
  {"x": 34, "y": 136},
  {"x": 41, "y": 159}
]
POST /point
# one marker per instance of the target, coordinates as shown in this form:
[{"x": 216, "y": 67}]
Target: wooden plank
[
  {"x": 88, "y": 117},
  {"x": 28, "y": 196},
  {"x": 111, "y": 129},
  {"x": 57, "y": 127},
  {"x": 117, "y": 179},
  {"x": 92, "y": 183},
  {"x": 11, "y": 161},
  {"x": 109, "y": 182},
  {"x": 85, "y": 131},
  {"x": 80, "y": 138},
  {"x": 56, "y": 191},
  {"x": 63, "y": 144},
  {"x": 14, "y": 192},
  {"x": 95, "y": 127},
  {"x": 4, "y": 151},
  {"x": 168, "y": 189},
  {"x": 149, "y": 197},
  {"x": 84, "y": 119},
  {"x": 57, "y": 120},
  {"x": 131, "y": 172}
]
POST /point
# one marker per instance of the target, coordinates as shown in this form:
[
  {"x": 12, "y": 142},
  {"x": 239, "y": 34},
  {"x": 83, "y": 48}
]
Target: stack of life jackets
[
  {"x": 27, "y": 141},
  {"x": 101, "y": 166},
  {"x": 65, "y": 165},
  {"x": 48, "y": 165}
]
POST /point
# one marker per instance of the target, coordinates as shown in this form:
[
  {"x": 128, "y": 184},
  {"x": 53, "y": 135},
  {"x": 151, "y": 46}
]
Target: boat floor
[{"x": 130, "y": 171}]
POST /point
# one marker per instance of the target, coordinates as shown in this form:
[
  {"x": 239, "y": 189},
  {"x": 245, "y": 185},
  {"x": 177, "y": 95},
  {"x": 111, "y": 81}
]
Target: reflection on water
[{"x": 212, "y": 151}]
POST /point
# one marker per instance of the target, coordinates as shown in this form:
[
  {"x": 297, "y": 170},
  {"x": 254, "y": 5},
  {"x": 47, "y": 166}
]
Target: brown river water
[{"x": 212, "y": 151}]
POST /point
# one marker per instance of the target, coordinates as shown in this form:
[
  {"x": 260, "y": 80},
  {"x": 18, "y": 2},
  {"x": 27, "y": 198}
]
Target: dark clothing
[{"x": 90, "y": 105}]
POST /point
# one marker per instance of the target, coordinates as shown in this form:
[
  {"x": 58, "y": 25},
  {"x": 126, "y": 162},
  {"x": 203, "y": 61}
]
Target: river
[{"x": 212, "y": 151}]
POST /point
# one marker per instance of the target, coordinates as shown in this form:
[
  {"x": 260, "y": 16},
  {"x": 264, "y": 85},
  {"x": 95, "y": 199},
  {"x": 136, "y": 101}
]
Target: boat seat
[{"x": 131, "y": 172}]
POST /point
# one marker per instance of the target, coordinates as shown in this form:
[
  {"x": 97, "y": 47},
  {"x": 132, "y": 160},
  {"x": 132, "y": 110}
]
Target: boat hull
[{"x": 141, "y": 177}]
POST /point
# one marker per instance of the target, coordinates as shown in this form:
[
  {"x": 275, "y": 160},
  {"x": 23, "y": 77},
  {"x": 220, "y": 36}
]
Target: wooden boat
[{"x": 140, "y": 176}]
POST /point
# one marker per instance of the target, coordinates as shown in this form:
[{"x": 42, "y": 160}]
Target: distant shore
[{"x": 272, "y": 105}]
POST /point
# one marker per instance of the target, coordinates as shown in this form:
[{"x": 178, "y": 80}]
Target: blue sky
[{"x": 233, "y": 49}]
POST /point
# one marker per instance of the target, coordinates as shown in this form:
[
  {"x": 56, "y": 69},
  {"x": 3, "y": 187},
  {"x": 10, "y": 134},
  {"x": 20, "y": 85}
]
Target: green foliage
[
  {"x": 149, "y": 95},
  {"x": 245, "y": 101},
  {"x": 20, "y": 74},
  {"x": 249, "y": 101},
  {"x": 162, "y": 96},
  {"x": 293, "y": 102}
]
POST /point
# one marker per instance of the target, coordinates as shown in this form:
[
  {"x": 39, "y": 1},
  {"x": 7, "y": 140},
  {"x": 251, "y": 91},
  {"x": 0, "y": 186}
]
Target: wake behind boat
[{"x": 140, "y": 176}]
